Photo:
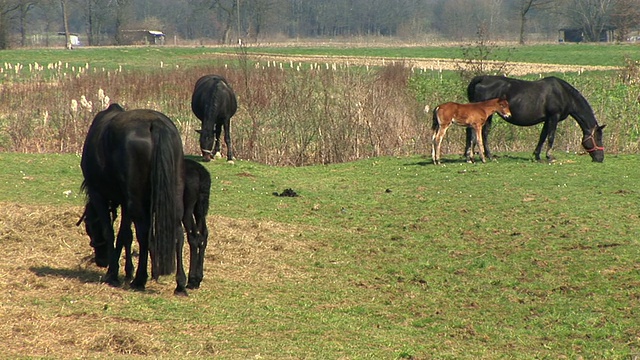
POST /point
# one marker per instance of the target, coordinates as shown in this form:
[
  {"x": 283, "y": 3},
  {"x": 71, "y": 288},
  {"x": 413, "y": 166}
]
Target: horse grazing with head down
[
  {"x": 197, "y": 188},
  {"x": 214, "y": 103},
  {"x": 472, "y": 115},
  {"x": 549, "y": 101},
  {"x": 134, "y": 159},
  {"x": 196, "y": 206}
]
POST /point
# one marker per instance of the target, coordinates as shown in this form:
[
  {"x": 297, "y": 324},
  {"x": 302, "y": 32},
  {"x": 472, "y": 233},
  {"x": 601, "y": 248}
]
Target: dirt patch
[
  {"x": 514, "y": 68},
  {"x": 52, "y": 297}
]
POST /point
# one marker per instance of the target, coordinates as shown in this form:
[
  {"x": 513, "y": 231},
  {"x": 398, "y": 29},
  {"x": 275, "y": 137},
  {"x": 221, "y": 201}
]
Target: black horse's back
[
  {"x": 214, "y": 103},
  {"x": 548, "y": 101},
  {"x": 134, "y": 159}
]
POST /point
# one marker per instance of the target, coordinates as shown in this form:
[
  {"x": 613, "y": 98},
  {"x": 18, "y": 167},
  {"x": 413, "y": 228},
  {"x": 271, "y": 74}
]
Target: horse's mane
[{"x": 582, "y": 110}]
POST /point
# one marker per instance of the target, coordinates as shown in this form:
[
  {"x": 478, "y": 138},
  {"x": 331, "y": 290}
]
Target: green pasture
[
  {"x": 151, "y": 56},
  {"x": 391, "y": 258},
  {"x": 379, "y": 258}
]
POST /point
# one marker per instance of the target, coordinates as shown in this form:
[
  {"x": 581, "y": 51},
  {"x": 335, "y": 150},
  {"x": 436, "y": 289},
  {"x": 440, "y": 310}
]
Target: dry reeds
[{"x": 289, "y": 113}]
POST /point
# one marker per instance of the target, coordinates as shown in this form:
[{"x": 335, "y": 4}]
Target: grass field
[
  {"x": 380, "y": 258},
  {"x": 386, "y": 258},
  {"x": 186, "y": 57}
]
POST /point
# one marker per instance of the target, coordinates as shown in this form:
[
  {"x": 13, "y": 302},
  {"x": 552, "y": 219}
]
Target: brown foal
[{"x": 473, "y": 115}]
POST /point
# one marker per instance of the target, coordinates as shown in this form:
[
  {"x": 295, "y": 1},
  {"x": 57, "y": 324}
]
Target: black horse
[
  {"x": 197, "y": 188},
  {"x": 134, "y": 159},
  {"x": 214, "y": 103},
  {"x": 549, "y": 100},
  {"x": 196, "y": 206}
]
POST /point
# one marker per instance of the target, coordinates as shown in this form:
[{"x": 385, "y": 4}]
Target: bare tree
[
  {"x": 123, "y": 18},
  {"x": 230, "y": 13},
  {"x": 592, "y": 16},
  {"x": 7, "y": 8},
  {"x": 525, "y": 6},
  {"x": 260, "y": 14},
  {"x": 625, "y": 16},
  {"x": 24, "y": 6},
  {"x": 65, "y": 21}
]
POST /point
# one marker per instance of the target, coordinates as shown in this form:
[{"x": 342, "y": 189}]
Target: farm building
[
  {"x": 74, "y": 38},
  {"x": 142, "y": 37},
  {"x": 577, "y": 34}
]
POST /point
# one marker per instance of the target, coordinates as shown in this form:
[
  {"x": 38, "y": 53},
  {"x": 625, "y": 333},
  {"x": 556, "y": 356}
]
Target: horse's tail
[
  {"x": 471, "y": 88},
  {"x": 165, "y": 209},
  {"x": 435, "y": 124}
]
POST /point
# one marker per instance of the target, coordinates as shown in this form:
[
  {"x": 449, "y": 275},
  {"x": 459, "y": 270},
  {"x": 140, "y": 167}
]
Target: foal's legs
[
  {"x": 198, "y": 245},
  {"x": 478, "y": 131},
  {"x": 181, "y": 277},
  {"x": 468, "y": 149},
  {"x": 436, "y": 140}
]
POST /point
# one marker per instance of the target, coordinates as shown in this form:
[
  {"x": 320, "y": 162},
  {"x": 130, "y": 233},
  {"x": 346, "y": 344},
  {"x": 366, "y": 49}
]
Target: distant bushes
[{"x": 290, "y": 114}]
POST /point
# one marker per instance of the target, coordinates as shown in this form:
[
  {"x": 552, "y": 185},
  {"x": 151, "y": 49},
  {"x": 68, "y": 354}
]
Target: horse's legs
[
  {"x": 142, "y": 233},
  {"x": 439, "y": 135},
  {"x": 434, "y": 145},
  {"x": 216, "y": 146},
  {"x": 468, "y": 145},
  {"x": 227, "y": 138},
  {"x": 190, "y": 227},
  {"x": 483, "y": 137},
  {"x": 478, "y": 131},
  {"x": 471, "y": 140},
  {"x": 541, "y": 140},
  {"x": 197, "y": 237},
  {"x": 202, "y": 246},
  {"x": 181, "y": 277},
  {"x": 125, "y": 239},
  {"x": 551, "y": 136}
]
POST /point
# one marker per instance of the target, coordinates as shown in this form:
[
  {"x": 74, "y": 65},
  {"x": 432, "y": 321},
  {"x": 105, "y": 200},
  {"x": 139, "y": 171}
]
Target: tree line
[{"x": 101, "y": 22}]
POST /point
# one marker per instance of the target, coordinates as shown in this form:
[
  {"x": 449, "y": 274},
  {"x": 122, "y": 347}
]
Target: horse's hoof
[
  {"x": 136, "y": 285},
  {"x": 180, "y": 292},
  {"x": 111, "y": 280},
  {"x": 193, "y": 285}
]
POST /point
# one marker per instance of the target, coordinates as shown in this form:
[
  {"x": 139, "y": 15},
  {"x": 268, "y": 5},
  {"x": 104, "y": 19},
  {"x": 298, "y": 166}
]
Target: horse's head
[
  {"x": 593, "y": 143},
  {"x": 503, "y": 108},
  {"x": 206, "y": 143},
  {"x": 95, "y": 230}
]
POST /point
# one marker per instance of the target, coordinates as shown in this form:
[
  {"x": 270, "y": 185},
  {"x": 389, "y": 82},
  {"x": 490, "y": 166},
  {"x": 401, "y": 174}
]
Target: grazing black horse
[
  {"x": 134, "y": 159},
  {"x": 214, "y": 103},
  {"x": 197, "y": 188},
  {"x": 196, "y": 206},
  {"x": 549, "y": 100}
]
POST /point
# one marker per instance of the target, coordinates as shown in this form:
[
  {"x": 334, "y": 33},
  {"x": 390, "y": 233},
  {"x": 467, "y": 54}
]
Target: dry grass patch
[{"x": 53, "y": 303}]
